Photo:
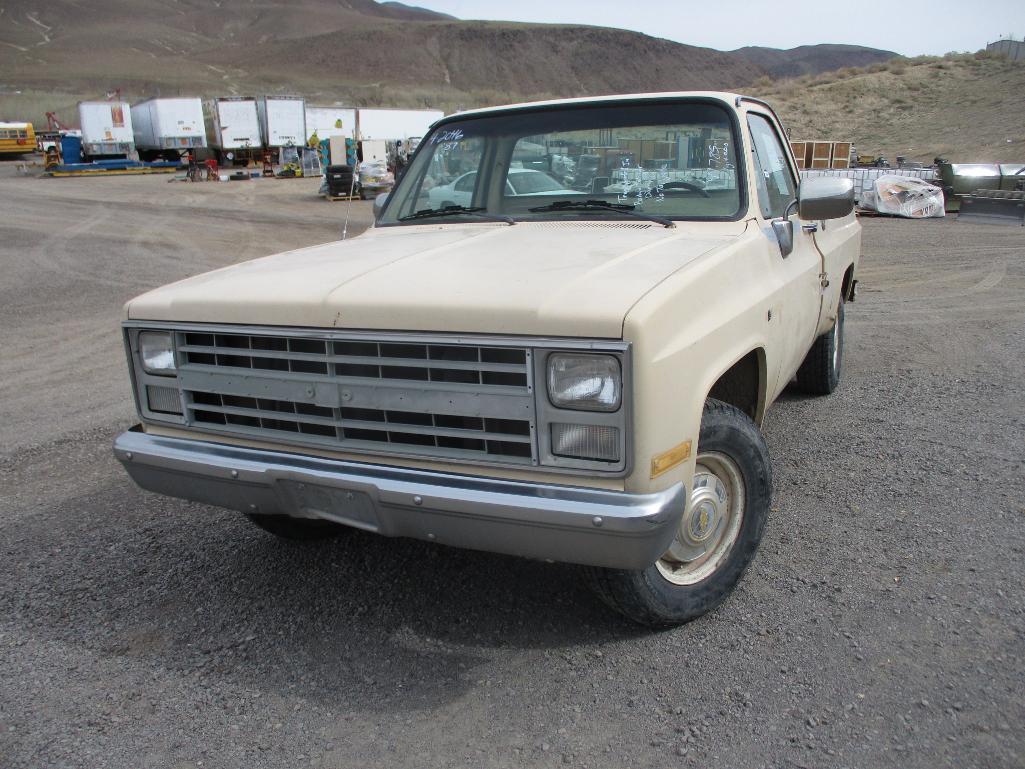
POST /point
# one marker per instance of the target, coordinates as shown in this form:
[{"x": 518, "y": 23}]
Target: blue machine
[
  {"x": 73, "y": 165},
  {"x": 71, "y": 149}
]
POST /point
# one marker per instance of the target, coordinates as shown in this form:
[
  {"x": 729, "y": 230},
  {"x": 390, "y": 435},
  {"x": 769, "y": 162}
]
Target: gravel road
[{"x": 881, "y": 625}]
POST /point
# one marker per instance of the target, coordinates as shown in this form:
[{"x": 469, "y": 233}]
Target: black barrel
[{"x": 340, "y": 180}]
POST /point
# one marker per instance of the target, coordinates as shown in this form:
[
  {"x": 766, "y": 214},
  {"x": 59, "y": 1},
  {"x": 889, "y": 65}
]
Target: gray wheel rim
[{"x": 710, "y": 527}]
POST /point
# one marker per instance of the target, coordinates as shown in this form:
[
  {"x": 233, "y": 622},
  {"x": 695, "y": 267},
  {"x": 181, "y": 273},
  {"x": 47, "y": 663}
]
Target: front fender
[{"x": 686, "y": 333}]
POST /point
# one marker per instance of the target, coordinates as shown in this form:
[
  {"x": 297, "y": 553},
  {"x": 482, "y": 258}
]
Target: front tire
[
  {"x": 298, "y": 529},
  {"x": 717, "y": 536},
  {"x": 822, "y": 368}
]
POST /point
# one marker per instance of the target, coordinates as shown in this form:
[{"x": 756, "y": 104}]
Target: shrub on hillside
[{"x": 986, "y": 54}]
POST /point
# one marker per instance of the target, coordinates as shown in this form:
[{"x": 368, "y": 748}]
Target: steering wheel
[{"x": 669, "y": 186}]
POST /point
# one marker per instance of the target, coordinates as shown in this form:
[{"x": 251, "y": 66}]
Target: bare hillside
[
  {"x": 966, "y": 108},
  {"x": 497, "y": 60},
  {"x": 342, "y": 51},
  {"x": 812, "y": 59},
  {"x": 392, "y": 54}
]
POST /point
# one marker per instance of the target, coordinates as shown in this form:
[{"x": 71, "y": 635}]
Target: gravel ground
[{"x": 881, "y": 625}]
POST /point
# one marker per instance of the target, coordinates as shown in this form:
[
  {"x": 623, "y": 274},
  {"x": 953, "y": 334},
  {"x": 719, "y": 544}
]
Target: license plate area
[{"x": 355, "y": 508}]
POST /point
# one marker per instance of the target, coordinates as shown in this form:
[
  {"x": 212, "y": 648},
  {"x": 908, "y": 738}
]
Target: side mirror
[
  {"x": 379, "y": 202},
  {"x": 824, "y": 197}
]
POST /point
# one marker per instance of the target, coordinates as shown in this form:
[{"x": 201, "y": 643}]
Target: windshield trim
[{"x": 726, "y": 105}]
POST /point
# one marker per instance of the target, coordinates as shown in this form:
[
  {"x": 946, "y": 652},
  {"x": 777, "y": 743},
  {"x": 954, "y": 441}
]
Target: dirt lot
[{"x": 881, "y": 625}]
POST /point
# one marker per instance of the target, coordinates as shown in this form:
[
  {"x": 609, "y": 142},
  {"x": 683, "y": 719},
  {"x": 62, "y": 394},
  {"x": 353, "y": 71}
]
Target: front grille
[
  {"x": 466, "y": 364},
  {"x": 361, "y": 394}
]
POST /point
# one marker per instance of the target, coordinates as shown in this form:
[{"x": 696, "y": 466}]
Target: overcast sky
[{"x": 909, "y": 27}]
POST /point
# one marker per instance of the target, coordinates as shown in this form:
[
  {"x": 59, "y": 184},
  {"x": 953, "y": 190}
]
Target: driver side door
[{"x": 798, "y": 299}]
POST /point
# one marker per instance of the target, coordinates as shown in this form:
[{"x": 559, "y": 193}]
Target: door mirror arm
[
  {"x": 784, "y": 231},
  {"x": 783, "y": 228}
]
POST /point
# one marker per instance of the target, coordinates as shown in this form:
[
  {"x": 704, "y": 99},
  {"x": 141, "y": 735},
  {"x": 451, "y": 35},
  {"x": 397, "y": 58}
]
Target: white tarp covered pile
[
  {"x": 904, "y": 196},
  {"x": 864, "y": 178}
]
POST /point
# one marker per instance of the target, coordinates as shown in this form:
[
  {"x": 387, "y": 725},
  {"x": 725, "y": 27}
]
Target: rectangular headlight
[
  {"x": 156, "y": 352},
  {"x": 599, "y": 442},
  {"x": 585, "y": 382}
]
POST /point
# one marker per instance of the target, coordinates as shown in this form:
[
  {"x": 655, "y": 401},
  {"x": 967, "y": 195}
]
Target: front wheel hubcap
[{"x": 711, "y": 524}]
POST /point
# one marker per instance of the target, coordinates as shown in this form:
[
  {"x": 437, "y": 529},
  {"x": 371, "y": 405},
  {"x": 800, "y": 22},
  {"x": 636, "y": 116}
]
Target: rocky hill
[
  {"x": 350, "y": 51},
  {"x": 812, "y": 59},
  {"x": 394, "y": 54}
]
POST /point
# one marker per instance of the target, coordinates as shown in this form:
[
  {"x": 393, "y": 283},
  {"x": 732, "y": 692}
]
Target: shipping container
[
  {"x": 167, "y": 127},
  {"x": 396, "y": 124},
  {"x": 106, "y": 128},
  {"x": 232, "y": 123},
  {"x": 282, "y": 120},
  {"x": 330, "y": 121}
]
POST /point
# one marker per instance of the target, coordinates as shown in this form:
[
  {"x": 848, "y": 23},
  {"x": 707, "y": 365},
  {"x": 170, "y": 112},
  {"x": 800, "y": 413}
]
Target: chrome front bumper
[{"x": 545, "y": 521}]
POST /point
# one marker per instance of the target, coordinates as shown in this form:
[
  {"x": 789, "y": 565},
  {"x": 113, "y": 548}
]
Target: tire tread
[
  {"x": 619, "y": 589},
  {"x": 815, "y": 375}
]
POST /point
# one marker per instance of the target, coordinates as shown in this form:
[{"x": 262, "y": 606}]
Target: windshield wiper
[
  {"x": 601, "y": 205},
  {"x": 429, "y": 213}
]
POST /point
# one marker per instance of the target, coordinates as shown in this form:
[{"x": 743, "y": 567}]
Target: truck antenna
[{"x": 348, "y": 205}]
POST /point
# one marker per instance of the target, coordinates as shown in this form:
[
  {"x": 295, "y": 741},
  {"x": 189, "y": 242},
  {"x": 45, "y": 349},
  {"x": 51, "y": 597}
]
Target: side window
[
  {"x": 442, "y": 164},
  {"x": 776, "y": 188}
]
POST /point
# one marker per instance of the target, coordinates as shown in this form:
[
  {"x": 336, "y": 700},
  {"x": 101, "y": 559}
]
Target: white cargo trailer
[
  {"x": 395, "y": 124},
  {"x": 283, "y": 120},
  {"x": 233, "y": 124},
  {"x": 330, "y": 121},
  {"x": 106, "y": 128},
  {"x": 168, "y": 127}
]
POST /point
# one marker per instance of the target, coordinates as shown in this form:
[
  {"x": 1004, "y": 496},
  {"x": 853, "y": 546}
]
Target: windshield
[{"x": 674, "y": 160}]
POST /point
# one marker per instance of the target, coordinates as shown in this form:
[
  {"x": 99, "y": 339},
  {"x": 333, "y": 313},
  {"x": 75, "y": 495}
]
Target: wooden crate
[
  {"x": 822, "y": 154},
  {"x": 841, "y": 155},
  {"x": 799, "y": 149}
]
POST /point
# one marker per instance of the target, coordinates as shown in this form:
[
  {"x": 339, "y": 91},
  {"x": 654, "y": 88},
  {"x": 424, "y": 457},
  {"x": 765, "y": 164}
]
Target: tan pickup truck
[{"x": 558, "y": 341}]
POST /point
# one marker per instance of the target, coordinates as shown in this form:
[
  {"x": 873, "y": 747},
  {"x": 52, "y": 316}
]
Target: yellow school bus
[{"x": 17, "y": 139}]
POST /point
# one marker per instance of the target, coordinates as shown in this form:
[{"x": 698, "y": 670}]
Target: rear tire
[
  {"x": 733, "y": 483},
  {"x": 821, "y": 370},
  {"x": 298, "y": 529}
]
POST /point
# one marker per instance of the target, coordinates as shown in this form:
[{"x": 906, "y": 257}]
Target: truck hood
[{"x": 540, "y": 278}]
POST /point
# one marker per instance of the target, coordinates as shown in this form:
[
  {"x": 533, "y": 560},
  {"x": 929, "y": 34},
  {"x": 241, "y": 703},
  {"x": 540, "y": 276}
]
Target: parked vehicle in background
[
  {"x": 106, "y": 129},
  {"x": 233, "y": 127},
  {"x": 17, "y": 139},
  {"x": 166, "y": 128},
  {"x": 574, "y": 374},
  {"x": 519, "y": 181}
]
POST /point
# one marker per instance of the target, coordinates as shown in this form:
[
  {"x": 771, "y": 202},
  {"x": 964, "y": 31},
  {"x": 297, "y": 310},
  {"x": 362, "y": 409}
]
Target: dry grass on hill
[{"x": 966, "y": 107}]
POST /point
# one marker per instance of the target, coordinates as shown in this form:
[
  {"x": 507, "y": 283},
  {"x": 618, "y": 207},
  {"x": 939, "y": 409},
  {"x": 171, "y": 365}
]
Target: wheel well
[
  {"x": 743, "y": 384},
  {"x": 848, "y": 279}
]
